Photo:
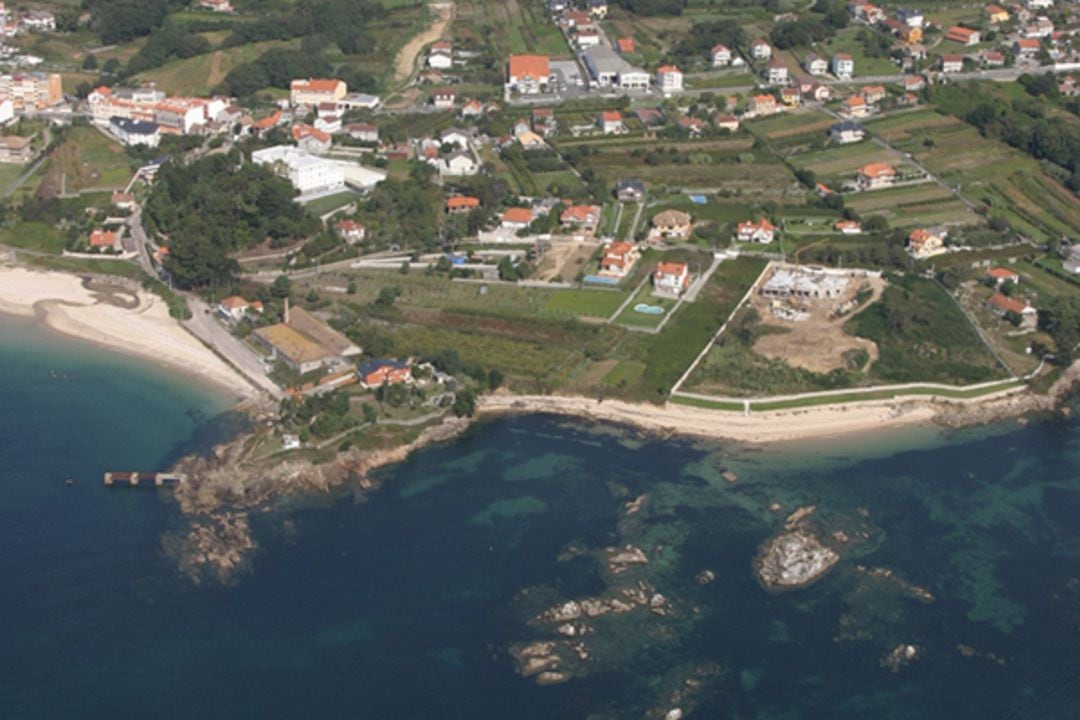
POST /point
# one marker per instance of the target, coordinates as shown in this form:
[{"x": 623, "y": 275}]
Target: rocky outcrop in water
[
  {"x": 796, "y": 557},
  {"x": 900, "y": 656}
]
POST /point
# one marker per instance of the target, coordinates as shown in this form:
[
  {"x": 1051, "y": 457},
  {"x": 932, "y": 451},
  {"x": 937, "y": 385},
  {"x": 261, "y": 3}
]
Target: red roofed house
[
  {"x": 625, "y": 45},
  {"x": 618, "y": 259},
  {"x": 263, "y": 124},
  {"x": 963, "y": 35},
  {"x": 671, "y": 277},
  {"x": 611, "y": 122},
  {"x": 528, "y": 74},
  {"x": 311, "y": 139},
  {"x": 855, "y": 107},
  {"x": 1002, "y": 306},
  {"x": 924, "y": 243},
  {"x": 461, "y": 204},
  {"x": 848, "y": 227},
  {"x": 517, "y": 218},
  {"x": 669, "y": 79},
  {"x": 873, "y": 93},
  {"x": 875, "y": 176},
  {"x": 1003, "y": 275},
  {"x": 316, "y": 90},
  {"x": 581, "y": 215},
  {"x": 233, "y": 308},
  {"x": 762, "y": 231},
  {"x": 1027, "y": 47},
  {"x": 914, "y": 83},
  {"x": 350, "y": 231},
  {"x": 377, "y": 373},
  {"x": 104, "y": 239},
  {"x": 762, "y": 105}
]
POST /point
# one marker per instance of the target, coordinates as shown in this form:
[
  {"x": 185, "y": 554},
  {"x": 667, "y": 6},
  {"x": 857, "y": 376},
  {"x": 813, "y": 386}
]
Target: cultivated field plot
[
  {"x": 785, "y": 125},
  {"x": 757, "y": 172},
  {"x": 584, "y": 303},
  {"x": 86, "y": 159},
  {"x": 846, "y": 159},
  {"x": 926, "y": 204},
  {"x": 901, "y": 126},
  {"x": 1012, "y": 184},
  {"x": 513, "y": 26}
]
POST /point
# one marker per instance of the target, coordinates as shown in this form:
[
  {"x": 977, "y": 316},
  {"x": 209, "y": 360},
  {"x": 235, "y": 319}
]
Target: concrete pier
[{"x": 142, "y": 479}]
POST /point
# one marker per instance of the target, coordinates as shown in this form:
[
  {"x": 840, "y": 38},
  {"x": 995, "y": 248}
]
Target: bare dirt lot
[
  {"x": 565, "y": 260},
  {"x": 817, "y": 343}
]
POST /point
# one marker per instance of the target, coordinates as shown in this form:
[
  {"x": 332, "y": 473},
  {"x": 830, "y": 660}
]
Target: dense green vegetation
[
  {"x": 1022, "y": 122},
  {"x": 922, "y": 336},
  {"x": 209, "y": 209}
]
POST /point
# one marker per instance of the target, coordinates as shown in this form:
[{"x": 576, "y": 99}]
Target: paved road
[{"x": 205, "y": 327}]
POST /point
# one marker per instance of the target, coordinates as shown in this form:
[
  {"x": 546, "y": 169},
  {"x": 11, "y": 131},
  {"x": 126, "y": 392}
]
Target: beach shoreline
[
  {"x": 817, "y": 422},
  {"x": 63, "y": 303},
  {"x": 141, "y": 328}
]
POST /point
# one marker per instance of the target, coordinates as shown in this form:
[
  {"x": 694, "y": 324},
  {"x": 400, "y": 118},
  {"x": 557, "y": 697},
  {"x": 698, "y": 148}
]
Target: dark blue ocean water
[{"x": 404, "y": 605}]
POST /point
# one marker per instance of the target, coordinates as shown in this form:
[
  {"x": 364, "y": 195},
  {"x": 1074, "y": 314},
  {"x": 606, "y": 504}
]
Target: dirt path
[
  {"x": 215, "y": 76},
  {"x": 406, "y": 59}
]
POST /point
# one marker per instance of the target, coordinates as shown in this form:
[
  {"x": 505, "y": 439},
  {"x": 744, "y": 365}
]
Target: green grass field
[
  {"x": 923, "y": 337},
  {"x": 323, "y": 205},
  {"x": 584, "y": 303}
]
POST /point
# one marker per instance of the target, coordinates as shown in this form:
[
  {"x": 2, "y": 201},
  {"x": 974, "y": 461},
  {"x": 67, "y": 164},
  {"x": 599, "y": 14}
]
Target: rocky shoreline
[{"x": 223, "y": 489}]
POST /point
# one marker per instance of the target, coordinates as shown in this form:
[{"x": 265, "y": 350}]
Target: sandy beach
[
  {"x": 810, "y": 423},
  {"x": 143, "y": 329}
]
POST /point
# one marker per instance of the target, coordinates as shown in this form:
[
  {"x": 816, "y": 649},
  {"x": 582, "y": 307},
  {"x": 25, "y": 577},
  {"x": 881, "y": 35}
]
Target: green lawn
[
  {"x": 633, "y": 318},
  {"x": 323, "y": 205},
  {"x": 584, "y": 303}
]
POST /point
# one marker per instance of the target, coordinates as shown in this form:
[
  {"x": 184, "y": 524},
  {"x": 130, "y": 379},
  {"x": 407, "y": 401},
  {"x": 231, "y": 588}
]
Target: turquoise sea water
[{"x": 405, "y": 605}]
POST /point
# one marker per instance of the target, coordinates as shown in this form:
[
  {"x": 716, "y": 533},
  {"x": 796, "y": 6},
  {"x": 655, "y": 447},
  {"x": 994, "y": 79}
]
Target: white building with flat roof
[
  {"x": 308, "y": 174},
  {"x": 609, "y": 69}
]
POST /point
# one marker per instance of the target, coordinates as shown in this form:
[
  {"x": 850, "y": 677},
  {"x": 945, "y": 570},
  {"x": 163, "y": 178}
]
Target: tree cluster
[{"x": 212, "y": 208}]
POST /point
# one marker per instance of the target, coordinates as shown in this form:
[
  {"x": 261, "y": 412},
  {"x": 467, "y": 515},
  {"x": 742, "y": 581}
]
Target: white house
[
  {"x": 721, "y": 55},
  {"x": 777, "y": 73},
  {"x": 233, "y": 308},
  {"x": 815, "y": 64},
  {"x": 135, "y": 132},
  {"x": 459, "y": 163},
  {"x": 670, "y": 79},
  {"x": 671, "y": 277},
  {"x": 611, "y": 122},
  {"x": 847, "y": 132},
  {"x": 762, "y": 231},
  {"x": 308, "y": 174},
  {"x": 843, "y": 66},
  {"x": 441, "y": 56},
  {"x": 760, "y": 49}
]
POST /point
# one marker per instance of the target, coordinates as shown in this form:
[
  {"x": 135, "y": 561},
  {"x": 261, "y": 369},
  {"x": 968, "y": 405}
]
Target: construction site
[{"x": 806, "y": 308}]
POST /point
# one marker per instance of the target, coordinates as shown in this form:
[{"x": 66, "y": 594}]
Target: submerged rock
[
  {"x": 794, "y": 559},
  {"x": 619, "y": 560},
  {"x": 900, "y": 656},
  {"x": 705, "y": 577}
]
